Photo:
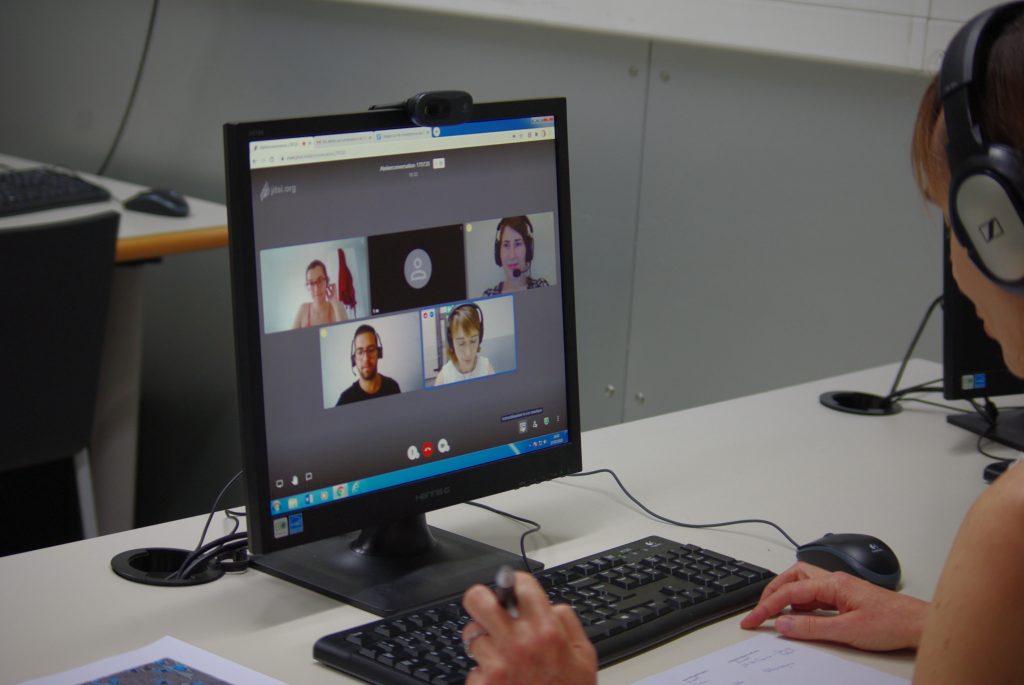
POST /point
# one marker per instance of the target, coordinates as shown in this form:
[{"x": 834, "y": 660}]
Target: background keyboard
[
  {"x": 39, "y": 188},
  {"x": 628, "y": 598}
]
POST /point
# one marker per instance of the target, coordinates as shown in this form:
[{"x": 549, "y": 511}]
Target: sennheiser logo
[
  {"x": 990, "y": 230},
  {"x": 270, "y": 191}
]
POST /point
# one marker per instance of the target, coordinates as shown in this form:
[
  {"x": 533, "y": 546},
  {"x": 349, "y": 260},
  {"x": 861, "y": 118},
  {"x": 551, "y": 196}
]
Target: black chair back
[{"x": 54, "y": 295}]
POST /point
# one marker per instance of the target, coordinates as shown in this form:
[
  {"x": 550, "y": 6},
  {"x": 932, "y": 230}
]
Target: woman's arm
[
  {"x": 976, "y": 623},
  {"x": 339, "y": 310}
]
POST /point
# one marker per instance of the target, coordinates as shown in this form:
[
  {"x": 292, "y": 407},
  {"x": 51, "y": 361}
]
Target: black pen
[{"x": 505, "y": 588}]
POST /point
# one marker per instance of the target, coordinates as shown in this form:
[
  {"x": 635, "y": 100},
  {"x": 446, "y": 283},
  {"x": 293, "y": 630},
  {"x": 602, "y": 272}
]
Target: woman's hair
[
  {"x": 522, "y": 226},
  {"x": 1002, "y": 108},
  {"x": 315, "y": 263},
  {"x": 463, "y": 319}
]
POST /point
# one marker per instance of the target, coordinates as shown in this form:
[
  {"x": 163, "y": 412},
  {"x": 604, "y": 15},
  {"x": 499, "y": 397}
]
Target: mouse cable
[
  {"x": 135, "y": 89},
  {"x": 982, "y": 452},
  {"x": 679, "y": 523},
  {"x": 522, "y": 538},
  {"x": 203, "y": 551}
]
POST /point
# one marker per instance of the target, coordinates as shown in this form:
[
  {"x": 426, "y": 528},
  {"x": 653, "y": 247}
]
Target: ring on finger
[{"x": 467, "y": 641}]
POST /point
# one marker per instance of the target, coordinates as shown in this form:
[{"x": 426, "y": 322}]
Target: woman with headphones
[
  {"x": 513, "y": 252},
  {"x": 968, "y": 154},
  {"x": 465, "y": 333}
]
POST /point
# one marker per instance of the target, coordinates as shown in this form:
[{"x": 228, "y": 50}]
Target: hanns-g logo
[{"x": 433, "y": 493}]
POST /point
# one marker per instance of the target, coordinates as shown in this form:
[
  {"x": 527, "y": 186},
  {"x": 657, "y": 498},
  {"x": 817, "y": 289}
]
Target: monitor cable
[
  {"x": 181, "y": 567},
  {"x": 135, "y": 89},
  {"x": 534, "y": 528},
  {"x": 867, "y": 404}
]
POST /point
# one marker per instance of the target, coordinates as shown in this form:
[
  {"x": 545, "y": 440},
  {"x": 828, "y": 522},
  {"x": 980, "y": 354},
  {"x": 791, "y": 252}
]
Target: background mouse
[
  {"x": 859, "y": 555},
  {"x": 158, "y": 201}
]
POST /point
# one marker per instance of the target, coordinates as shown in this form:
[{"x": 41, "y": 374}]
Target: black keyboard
[
  {"x": 39, "y": 188},
  {"x": 628, "y": 598}
]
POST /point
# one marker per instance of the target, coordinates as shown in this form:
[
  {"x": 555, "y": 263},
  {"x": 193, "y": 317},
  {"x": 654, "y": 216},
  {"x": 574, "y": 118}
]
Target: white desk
[
  {"x": 140, "y": 237},
  {"x": 908, "y": 479}
]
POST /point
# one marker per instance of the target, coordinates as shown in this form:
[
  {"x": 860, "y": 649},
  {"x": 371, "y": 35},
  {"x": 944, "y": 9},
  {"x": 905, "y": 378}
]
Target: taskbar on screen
[{"x": 320, "y": 496}]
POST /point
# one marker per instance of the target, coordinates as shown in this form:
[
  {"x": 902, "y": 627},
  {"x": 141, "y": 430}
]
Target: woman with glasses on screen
[
  {"x": 324, "y": 308},
  {"x": 971, "y": 630}
]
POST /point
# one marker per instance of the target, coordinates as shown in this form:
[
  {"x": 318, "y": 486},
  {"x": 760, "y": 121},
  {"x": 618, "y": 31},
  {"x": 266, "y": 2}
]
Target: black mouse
[
  {"x": 859, "y": 555},
  {"x": 158, "y": 201}
]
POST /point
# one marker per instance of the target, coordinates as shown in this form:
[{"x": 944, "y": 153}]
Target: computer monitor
[
  {"x": 973, "y": 366},
  {"x": 405, "y": 338}
]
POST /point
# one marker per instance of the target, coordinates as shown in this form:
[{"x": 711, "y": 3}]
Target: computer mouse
[
  {"x": 158, "y": 201},
  {"x": 863, "y": 556}
]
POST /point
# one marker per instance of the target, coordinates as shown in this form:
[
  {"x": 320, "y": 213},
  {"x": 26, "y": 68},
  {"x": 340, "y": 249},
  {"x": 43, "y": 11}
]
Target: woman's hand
[
  {"x": 544, "y": 645},
  {"x": 867, "y": 616}
]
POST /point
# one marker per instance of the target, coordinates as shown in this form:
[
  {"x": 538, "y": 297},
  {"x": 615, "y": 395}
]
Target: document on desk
[
  {"x": 771, "y": 660},
  {"x": 167, "y": 660}
]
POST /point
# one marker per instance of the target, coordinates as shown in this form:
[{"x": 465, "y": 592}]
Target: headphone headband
[
  {"x": 528, "y": 238},
  {"x": 366, "y": 328},
  {"x": 986, "y": 190},
  {"x": 451, "y": 315}
]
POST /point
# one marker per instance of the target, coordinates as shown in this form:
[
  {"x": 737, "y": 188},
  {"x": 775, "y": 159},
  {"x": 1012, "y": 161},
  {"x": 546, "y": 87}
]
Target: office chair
[{"x": 54, "y": 296}]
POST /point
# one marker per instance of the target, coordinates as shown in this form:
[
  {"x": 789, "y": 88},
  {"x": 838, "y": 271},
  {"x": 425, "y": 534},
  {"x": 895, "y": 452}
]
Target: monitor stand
[
  {"x": 391, "y": 568},
  {"x": 1008, "y": 428}
]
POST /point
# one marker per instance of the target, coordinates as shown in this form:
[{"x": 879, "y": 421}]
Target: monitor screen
[{"x": 404, "y": 332}]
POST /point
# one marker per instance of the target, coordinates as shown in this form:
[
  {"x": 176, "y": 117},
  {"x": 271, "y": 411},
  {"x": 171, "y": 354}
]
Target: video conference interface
[{"x": 411, "y": 316}]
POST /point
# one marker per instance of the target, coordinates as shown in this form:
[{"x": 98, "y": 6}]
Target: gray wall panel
[
  {"x": 67, "y": 73},
  {"x": 781, "y": 236}
]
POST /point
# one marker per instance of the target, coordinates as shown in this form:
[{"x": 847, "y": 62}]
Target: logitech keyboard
[
  {"x": 628, "y": 598},
  {"x": 39, "y": 188}
]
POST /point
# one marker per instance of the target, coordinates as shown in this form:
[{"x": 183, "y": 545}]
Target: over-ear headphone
[
  {"x": 366, "y": 328},
  {"x": 986, "y": 191},
  {"x": 518, "y": 224},
  {"x": 451, "y": 315}
]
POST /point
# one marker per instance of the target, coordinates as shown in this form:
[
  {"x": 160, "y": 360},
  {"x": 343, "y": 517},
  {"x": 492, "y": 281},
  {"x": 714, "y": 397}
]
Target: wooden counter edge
[{"x": 152, "y": 247}]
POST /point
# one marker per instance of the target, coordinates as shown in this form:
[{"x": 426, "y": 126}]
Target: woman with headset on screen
[
  {"x": 513, "y": 252},
  {"x": 971, "y": 630},
  {"x": 324, "y": 308},
  {"x": 465, "y": 333}
]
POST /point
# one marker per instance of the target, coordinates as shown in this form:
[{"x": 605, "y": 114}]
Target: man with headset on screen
[
  {"x": 968, "y": 155},
  {"x": 367, "y": 352}
]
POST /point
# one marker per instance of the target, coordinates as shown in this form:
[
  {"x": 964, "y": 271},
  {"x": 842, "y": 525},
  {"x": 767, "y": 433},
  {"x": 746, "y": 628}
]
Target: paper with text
[{"x": 771, "y": 660}]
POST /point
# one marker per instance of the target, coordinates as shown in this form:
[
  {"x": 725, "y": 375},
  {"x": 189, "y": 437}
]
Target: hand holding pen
[{"x": 518, "y": 637}]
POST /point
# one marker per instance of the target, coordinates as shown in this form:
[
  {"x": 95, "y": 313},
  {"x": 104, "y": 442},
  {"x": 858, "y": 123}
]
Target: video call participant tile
[{"x": 417, "y": 268}]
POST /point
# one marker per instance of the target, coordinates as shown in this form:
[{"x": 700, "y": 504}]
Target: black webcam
[{"x": 436, "y": 107}]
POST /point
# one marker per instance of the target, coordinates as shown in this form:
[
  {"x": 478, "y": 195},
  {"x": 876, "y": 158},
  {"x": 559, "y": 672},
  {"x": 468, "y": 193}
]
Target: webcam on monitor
[{"x": 436, "y": 107}]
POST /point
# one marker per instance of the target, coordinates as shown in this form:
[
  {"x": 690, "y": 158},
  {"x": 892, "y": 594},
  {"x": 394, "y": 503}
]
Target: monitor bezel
[{"x": 419, "y": 497}]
